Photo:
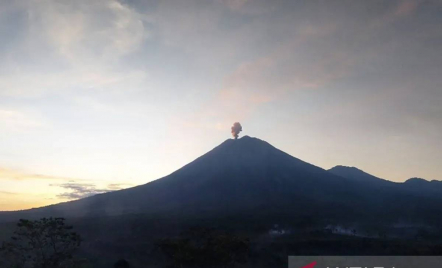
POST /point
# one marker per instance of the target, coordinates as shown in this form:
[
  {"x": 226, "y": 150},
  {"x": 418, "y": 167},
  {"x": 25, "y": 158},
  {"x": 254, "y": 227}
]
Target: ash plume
[{"x": 236, "y": 129}]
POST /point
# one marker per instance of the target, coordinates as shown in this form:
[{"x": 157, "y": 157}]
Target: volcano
[{"x": 250, "y": 176}]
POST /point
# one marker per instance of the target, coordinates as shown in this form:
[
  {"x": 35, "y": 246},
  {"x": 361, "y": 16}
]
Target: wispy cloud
[
  {"x": 17, "y": 175},
  {"x": 25, "y": 189},
  {"x": 75, "y": 44},
  {"x": 118, "y": 186},
  {"x": 81, "y": 190},
  {"x": 82, "y": 31},
  {"x": 399, "y": 10},
  {"x": 290, "y": 66},
  {"x": 406, "y": 7}
]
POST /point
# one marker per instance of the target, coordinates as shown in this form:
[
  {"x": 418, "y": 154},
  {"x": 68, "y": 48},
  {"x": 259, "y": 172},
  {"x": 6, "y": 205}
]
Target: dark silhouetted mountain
[
  {"x": 424, "y": 186},
  {"x": 248, "y": 176},
  {"x": 419, "y": 182},
  {"x": 416, "y": 186},
  {"x": 356, "y": 174}
]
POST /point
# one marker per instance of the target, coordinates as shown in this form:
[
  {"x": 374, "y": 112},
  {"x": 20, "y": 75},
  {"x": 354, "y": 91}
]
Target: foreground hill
[{"x": 249, "y": 176}]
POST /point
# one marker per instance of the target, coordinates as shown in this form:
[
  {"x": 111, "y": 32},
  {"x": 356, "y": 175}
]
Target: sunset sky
[{"x": 104, "y": 94}]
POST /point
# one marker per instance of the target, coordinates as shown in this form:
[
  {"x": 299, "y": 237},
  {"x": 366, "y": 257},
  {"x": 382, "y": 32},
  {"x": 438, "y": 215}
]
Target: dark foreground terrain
[
  {"x": 270, "y": 242},
  {"x": 138, "y": 238}
]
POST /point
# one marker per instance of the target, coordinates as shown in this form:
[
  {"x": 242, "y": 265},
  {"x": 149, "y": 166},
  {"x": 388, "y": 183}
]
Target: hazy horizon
[{"x": 103, "y": 95}]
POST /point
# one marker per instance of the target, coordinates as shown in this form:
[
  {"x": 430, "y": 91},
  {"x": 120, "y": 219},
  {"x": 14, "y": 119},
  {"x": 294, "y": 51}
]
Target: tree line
[{"x": 51, "y": 243}]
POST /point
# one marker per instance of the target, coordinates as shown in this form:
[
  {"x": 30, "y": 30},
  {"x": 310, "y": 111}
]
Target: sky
[{"x": 103, "y": 95}]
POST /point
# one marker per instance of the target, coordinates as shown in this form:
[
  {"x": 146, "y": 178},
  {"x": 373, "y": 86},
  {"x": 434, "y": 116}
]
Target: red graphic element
[{"x": 311, "y": 265}]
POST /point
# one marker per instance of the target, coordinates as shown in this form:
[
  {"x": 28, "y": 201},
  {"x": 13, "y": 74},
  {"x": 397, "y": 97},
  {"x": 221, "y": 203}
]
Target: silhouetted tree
[{"x": 44, "y": 243}]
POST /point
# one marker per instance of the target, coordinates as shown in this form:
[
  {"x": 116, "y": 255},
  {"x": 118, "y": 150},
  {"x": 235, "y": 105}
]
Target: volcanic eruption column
[{"x": 236, "y": 129}]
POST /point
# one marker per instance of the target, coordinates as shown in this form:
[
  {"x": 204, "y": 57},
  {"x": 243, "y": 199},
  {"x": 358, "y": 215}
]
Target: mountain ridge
[
  {"x": 248, "y": 176},
  {"x": 355, "y": 173},
  {"x": 250, "y": 163}
]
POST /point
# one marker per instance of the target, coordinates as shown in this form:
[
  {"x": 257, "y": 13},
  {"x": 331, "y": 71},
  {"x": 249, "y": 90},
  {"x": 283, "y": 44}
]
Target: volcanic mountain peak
[
  {"x": 245, "y": 143},
  {"x": 247, "y": 175},
  {"x": 241, "y": 174}
]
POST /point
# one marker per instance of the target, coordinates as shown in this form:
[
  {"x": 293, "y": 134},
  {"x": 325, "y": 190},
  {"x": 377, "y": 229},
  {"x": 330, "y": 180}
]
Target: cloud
[
  {"x": 73, "y": 183},
  {"x": 290, "y": 66},
  {"x": 406, "y": 7},
  {"x": 292, "y": 52},
  {"x": 81, "y": 190},
  {"x": 17, "y": 175},
  {"x": 187, "y": 24},
  {"x": 118, "y": 186},
  {"x": 23, "y": 190},
  {"x": 79, "y": 30},
  {"x": 71, "y": 45},
  {"x": 78, "y": 190},
  {"x": 399, "y": 10}
]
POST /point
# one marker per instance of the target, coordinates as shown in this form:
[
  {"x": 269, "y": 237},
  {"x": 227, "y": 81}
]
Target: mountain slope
[
  {"x": 237, "y": 175},
  {"x": 247, "y": 176}
]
